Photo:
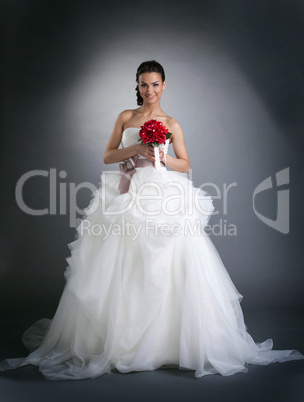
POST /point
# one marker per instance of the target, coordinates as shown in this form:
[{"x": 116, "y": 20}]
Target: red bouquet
[{"x": 153, "y": 132}]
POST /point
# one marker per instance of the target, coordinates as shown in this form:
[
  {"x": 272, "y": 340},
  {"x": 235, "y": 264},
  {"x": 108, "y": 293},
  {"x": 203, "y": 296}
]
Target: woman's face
[{"x": 150, "y": 87}]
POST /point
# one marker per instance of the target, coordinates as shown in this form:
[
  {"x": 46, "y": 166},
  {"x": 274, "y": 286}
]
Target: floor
[{"x": 276, "y": 382}]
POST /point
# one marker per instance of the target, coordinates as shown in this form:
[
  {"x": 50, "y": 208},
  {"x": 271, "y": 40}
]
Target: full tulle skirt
[{"x": 145, "y": 288}]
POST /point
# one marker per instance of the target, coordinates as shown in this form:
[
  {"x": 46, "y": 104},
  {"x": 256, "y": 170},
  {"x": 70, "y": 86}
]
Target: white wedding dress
[{"x": 145, "y": 289}]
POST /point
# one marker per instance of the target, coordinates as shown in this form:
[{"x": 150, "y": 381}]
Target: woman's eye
[{"x": 143, "y": 85}]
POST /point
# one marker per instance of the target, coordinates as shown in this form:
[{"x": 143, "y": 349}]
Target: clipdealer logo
[{"x": 281, "y": 223}]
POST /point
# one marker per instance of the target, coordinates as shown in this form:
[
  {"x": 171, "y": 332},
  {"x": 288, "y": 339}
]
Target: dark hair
[{"x": 150, "y": 66}]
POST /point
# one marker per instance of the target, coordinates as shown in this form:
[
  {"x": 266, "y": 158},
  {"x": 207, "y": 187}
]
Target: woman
[
  {"x": 150, "y": 86},
  {"x": 144, "y": 289}
]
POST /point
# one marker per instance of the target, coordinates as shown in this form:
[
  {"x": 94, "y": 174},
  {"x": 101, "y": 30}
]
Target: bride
[{"x": 143, "y": 289}]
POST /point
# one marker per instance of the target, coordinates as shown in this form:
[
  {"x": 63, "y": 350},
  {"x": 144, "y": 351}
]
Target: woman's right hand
[{"x": 147, "y": 151}]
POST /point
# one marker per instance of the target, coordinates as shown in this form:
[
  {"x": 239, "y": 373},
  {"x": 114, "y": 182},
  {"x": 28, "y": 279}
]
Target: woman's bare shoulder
[
  {"x": 128, "y": 113},
  {"x": 173, "y": 124},
  {"x": 174, "y": 128}
]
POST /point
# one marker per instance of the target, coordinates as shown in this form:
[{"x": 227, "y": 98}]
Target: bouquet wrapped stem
[{"x": 157, "y": 163}]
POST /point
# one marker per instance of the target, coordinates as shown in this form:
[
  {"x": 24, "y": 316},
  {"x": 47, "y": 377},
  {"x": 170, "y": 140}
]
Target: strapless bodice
[{"x": 130, "y": 136}]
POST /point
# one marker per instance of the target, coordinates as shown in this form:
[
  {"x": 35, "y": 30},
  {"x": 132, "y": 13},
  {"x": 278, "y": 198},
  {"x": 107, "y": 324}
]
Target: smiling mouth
[{"x": 150, "y": 96}]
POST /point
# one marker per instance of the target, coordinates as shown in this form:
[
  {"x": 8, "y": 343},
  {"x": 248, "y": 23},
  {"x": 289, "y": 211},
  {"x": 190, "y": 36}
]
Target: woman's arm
[
  {"x": 181, "y": 163},
  {"x": 113, "y": 155}
]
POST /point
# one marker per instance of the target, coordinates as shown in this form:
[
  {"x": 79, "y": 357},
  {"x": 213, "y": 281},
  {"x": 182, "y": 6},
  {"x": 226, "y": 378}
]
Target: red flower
[{"x": 153, "y": 132}]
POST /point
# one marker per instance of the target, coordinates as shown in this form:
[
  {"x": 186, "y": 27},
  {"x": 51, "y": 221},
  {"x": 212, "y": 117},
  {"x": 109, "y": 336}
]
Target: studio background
[{"x": 234, "y": 72}]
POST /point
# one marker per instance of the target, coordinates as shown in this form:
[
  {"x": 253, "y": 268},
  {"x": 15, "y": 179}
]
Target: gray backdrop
[{"x": 234, "y": 74}]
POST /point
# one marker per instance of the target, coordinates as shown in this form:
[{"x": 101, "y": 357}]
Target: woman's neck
[{"x": 149, "y": 110}]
